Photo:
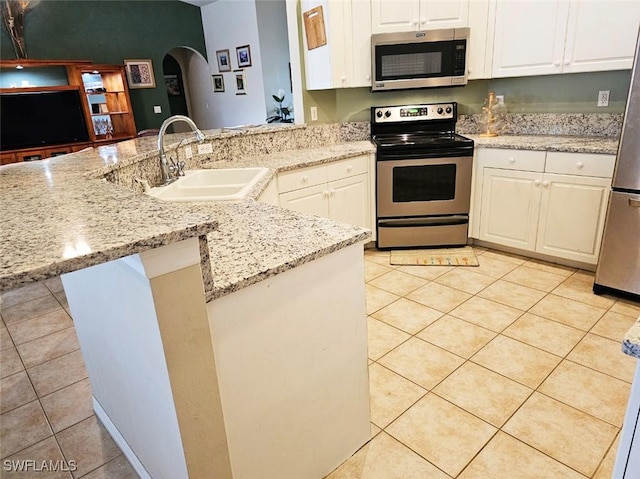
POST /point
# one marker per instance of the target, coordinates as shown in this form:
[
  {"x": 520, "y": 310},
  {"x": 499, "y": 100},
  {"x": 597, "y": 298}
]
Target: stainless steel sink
[{"x": 211, "y": 185}]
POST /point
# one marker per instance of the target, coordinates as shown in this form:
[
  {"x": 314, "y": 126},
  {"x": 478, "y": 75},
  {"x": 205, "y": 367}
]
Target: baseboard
[
  {"x": 534, "y": 255},
  {"x": 119, "y": 440}
]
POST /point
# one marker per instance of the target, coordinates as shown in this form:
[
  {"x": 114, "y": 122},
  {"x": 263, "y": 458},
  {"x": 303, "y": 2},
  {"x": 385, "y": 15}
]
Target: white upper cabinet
[
  {"x": 388, "y": 16},
  {"x": 444, "y": 14},
  {"x": 529, "y": 37},
  {"x": 563, "y": 36},
  {"x": 601, "y": 35},
  {"x": 345, "y": 60},
  {"x": 409, "y": 15}
]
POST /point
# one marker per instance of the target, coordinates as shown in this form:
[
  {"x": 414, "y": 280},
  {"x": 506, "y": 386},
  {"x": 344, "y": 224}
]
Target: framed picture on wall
[
  {"x": 172, "y": 84},
  {"x": 218, "y": 82},
  {"x": 140, "y": 73},
  {"x": 244, "y": 56},
  {"x": 224, "y": 62},
  {"x": 241, "y": 82}
]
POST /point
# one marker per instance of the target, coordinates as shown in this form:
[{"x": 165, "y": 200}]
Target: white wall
[
  {"x": 229, "y": 24},
  {"x": 274, "y": 49}
]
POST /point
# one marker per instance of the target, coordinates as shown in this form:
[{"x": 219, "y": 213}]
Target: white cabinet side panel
[
  {"x": 291, "y": 353},
  {"x": 125, "y": 361}
]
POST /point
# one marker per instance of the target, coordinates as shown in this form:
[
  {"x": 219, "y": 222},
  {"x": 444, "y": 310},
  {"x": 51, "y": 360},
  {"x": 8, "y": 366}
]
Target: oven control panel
[{"x": 395, "y": 114}]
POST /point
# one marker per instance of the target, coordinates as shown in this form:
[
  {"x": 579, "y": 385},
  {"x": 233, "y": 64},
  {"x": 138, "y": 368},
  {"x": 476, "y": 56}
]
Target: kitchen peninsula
[{"x": 225, "y": 339}]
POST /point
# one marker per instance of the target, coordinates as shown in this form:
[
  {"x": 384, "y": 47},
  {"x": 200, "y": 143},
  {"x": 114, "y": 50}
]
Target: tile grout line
[{"x": 533, "y": 390}]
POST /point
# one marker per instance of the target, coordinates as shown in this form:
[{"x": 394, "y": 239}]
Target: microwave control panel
[{"x": 392, "y": 114}]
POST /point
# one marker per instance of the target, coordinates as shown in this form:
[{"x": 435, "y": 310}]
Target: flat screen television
[{"x": 39, "y": 119}]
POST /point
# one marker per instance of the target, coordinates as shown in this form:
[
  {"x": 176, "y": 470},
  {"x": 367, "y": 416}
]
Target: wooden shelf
[
  {"x": 39, "y": 88},
  {"x": 116, "y": 95}
]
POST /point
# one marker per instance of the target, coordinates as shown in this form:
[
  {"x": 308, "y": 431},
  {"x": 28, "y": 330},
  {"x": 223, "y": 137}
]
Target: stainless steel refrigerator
[{"x": 619, "y": 263}]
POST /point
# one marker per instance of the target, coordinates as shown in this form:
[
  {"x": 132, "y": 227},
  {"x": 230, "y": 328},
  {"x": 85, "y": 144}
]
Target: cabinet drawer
[
  {"x": 294, "y": 180},
  {"x": 523, "y": 160},
  {"x": 349, "y": 167},
  {"x": 580, "y": 164}
]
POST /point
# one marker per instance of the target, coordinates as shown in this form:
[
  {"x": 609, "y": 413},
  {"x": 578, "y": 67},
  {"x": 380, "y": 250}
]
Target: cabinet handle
[
  {"x": 349, "y": 168},
  {"x": 634, "y": 203},
  {"x": 332, "y": 193},
  {"x": 423, "y": 21},
  {"x": 512, "y": 160},
  {"x": 415, "y": 22},
  {"x": 536, "y": 182},
  {"x": 305, "y": 179},
  {"x": 556, "y": 64},
  {"x": 545, "y": 184},
  {"x": 325, "y": 194},
  {"x": 579, "y": 165},
  {"x": 368, "y": 77}
]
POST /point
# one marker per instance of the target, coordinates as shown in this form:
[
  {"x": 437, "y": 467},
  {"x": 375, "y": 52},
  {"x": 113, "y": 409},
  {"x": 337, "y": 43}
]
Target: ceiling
[{"x": 198, "y": 3}]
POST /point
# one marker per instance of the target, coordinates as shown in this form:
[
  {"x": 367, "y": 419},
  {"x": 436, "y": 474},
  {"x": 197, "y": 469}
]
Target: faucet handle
[{"x": 177, "y": 167}]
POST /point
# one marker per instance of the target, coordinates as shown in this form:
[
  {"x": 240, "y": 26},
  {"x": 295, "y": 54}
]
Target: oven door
[{"x": 423, "y": 187}]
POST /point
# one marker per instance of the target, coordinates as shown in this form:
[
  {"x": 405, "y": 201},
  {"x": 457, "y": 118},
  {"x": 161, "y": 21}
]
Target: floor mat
[{"x": 464, "y": 256}]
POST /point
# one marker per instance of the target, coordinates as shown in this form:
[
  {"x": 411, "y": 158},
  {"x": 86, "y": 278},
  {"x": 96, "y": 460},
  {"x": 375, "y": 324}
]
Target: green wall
[
  {"x": 571, "y": 93},
  {"x": 109, "y": 32}
]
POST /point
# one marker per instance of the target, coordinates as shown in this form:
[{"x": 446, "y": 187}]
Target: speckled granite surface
[
  {"x": 607, "y": 125},
  {"x": 572, "y": 144},
  {"x": 631, "y": 341},
  {"x": 59, "y": 215}
]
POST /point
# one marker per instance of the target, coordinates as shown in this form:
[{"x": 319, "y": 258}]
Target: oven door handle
[{"x": 428, "y": 221}]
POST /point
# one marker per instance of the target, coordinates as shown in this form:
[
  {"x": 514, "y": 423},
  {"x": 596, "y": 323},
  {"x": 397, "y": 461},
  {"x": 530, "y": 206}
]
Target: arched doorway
[
  {"x": 174, "y": 86},
  {"x": 193, "y": 77}
]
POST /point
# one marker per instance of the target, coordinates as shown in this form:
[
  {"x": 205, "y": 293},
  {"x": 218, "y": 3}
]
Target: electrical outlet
[
  {"x": 500, "y": 99},
  {"x": 314, "y": 113},
  {"x": 188, "y": 152},
  {"x": 603, "y": 98},
  {"x": 157, "y": 109},
  {"x": 205, "y": 148}
]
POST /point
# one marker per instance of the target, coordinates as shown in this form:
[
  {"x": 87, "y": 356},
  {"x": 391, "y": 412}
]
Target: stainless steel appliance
[
  {"x": 423, "y": 176},
  {"x": 419, "y": 59},
  {"x": 619, "y": 262}
]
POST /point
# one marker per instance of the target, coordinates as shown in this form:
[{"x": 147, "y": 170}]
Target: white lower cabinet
[
  {"x": 312, "y": 200},
  {"x": 339, "y": 191},
  {"x": 510, "y": 206},
  {"x": 572, "y": 214},
  {"x": 542, "y": 210}
]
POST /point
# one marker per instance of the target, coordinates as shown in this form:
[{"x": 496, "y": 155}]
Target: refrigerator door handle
[{"x": 634, "y": 203}]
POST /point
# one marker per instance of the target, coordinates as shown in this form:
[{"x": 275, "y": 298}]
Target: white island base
[{"x": 270, "y": 381}]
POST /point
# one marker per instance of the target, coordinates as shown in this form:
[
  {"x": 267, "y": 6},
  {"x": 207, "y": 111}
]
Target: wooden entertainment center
[{"x": 104, "y": 95}]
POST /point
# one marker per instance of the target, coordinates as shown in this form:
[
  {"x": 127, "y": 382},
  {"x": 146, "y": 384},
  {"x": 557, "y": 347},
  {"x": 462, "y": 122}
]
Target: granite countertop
[
  {"x": 571, "y": 144},
  {"x": 631, "y": 341},
  {"x": 59, "y": 215}
]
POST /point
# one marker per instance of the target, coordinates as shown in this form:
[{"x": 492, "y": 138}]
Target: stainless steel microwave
[{"x": 428, "y": 58}]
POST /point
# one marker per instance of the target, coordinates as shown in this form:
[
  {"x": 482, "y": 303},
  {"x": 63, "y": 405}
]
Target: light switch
[{"x": 157, "y": 109}]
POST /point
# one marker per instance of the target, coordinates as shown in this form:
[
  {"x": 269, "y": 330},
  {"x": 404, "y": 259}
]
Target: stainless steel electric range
[{"x": 423, "y": 176}]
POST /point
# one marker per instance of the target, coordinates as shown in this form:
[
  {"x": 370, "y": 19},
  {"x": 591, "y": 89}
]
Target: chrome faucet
[{"x": 164, "y": 164}]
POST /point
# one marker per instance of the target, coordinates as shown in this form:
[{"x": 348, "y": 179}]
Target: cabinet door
[
  {"x": 313, "y": 200},
  {"x": 359, "y": 24},
  {"x": 530, "y": 37},
  {"x": 480, "y": 41},
  {"x": 572, "y": 214},
  {"x": 443, "y": 14},
  {"x": 601, "y": 35},
  {"x": 510, "y": 207},
  {"x": 388, "y": 16},
  {"x": 349, "y": 200}
]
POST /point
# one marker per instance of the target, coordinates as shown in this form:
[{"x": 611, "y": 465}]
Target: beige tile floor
[{"x": 512, "y": 369}]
